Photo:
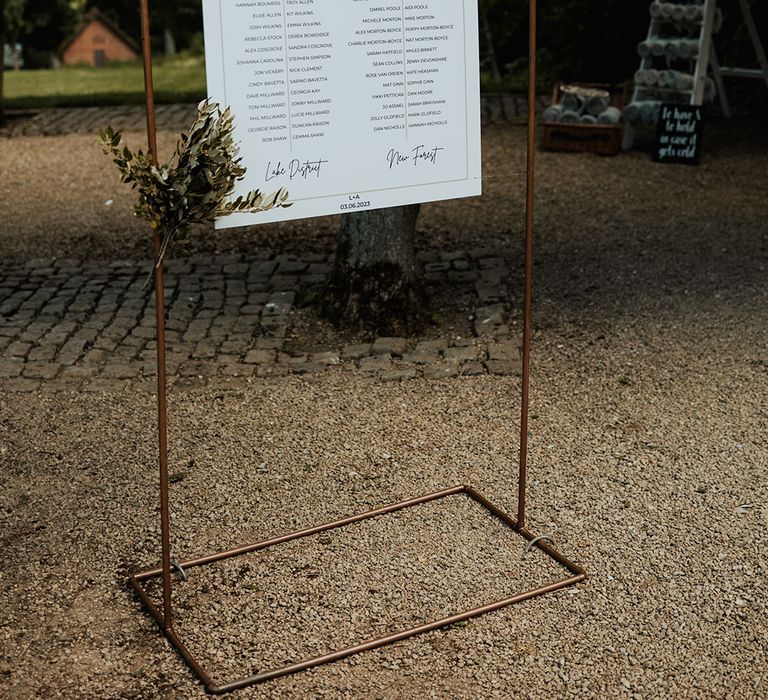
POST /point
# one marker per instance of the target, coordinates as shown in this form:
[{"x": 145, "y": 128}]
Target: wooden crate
[{"x": 602, "y": 139}]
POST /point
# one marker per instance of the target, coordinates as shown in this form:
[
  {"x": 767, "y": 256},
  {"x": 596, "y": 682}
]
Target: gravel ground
[
  {"x": 656, "y": 487},
  {"x": 648, "y": 466}
]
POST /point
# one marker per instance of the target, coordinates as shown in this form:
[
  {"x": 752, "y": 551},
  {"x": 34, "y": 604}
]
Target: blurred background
[{"x": 584, "y": 40}]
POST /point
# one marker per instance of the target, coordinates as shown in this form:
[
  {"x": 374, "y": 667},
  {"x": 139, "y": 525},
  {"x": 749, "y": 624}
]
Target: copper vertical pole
[
  {"x": 527, "y": 313},
  {"x": 162, "y": 407}
]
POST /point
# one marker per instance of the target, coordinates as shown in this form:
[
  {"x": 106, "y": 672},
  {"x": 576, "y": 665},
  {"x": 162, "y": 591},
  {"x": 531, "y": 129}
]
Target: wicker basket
[{"x": 604, "y": 140}]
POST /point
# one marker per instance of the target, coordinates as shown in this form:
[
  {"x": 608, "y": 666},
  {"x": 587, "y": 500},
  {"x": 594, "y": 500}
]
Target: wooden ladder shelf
[{"x": 676, "y": 58}]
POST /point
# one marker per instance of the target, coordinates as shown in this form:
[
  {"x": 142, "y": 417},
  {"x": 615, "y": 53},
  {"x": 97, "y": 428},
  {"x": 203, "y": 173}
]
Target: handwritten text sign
[
  {"x": 349, "y": 104},
  {"x": 678, "y": 137}
]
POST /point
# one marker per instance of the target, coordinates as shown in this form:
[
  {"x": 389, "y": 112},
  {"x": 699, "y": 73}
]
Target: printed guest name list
[{"x": 349, "y": 104}]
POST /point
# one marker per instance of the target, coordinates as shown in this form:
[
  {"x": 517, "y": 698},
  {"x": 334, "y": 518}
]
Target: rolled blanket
[
  {"x": 666, "y": 78},
  {"x": 678, "y": 13},
  {"x": 666, "y": 10},
  {"x": 569, "y": 117},
  {"x": 651, "y": 47},
  {"x": 694, "y": 13},
  {"x": 645, "y": 112},
  {"x": 675, "y": 80},
  {"x": 573, "y": 103},
  {"x": 683, "y": 81},
  {"x": 655, "y": 10},
  {"x": 588, "y": 119},
  {"x": 651, "y": 77},
  {"x": 649, "y": 112},
  {"x": 596, "y": 105},
  {"x": 687, "y": 49},
  {"x": 671, "y": 50},
  {"x": 632, "y": 112},
  {"x": 611, "y": 116},
  {"x": 552, "y": 114}
]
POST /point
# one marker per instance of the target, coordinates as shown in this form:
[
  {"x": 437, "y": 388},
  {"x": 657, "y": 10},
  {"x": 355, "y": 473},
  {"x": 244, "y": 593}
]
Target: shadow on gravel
[{"x": 641, "y": 238}]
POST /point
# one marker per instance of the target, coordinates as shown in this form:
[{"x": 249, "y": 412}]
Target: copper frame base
[{"x": 577, "y": 574}]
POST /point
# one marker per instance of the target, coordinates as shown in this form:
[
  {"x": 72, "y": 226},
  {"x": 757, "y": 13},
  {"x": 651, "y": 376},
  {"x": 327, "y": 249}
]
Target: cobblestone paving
[
  {"x": 69, "y": 324},
  {"x": 66, "y": 324},
  {"x": 89, "y": 120}
]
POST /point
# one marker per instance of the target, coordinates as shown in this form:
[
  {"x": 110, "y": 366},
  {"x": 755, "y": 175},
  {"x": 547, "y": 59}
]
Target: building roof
[{"x": 97, "y": 16}]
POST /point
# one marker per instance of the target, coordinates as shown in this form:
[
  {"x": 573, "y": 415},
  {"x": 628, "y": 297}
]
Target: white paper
[{"x": 348, "y": 104}]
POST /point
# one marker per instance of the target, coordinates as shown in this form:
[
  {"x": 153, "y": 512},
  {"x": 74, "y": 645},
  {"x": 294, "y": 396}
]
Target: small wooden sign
[{"x": 678, "y": 137}]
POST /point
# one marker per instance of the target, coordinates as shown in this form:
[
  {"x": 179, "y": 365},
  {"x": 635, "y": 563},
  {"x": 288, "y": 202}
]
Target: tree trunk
[
  {"x": 490, "y": 45},
  {"x": 375, "y": 284}
]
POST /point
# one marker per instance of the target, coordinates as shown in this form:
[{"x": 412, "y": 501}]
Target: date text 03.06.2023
[{"x": 354, "y": 204}]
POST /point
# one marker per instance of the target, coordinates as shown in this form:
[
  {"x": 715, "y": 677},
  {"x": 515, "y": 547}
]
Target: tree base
[
  {"x": 378, "y": 298},
  {"x": 374, "y": 284}
]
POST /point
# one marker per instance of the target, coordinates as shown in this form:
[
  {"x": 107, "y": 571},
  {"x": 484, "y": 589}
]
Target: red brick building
[{"x": 98, "y": 41}]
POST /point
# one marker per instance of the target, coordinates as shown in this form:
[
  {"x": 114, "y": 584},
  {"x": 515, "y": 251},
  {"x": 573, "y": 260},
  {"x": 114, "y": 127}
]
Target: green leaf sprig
[{"x": 195, "y": 185}]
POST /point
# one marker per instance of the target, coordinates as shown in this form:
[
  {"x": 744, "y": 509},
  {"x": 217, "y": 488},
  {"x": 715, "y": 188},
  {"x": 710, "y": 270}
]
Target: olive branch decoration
[{"x": 195, "y": 185}]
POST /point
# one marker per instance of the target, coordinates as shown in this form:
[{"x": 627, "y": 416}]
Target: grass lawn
[
  {"x": 176, "y": 80},
  {"x": 179, "y": 79}
]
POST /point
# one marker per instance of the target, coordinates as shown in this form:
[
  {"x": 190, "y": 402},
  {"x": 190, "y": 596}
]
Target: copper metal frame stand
[
  {"x": 163, "y": 615},
  {"x": 576, "y": 574}
]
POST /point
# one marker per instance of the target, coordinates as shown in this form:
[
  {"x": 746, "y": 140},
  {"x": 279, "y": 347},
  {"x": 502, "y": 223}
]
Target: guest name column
[{"x": 309, "y": 55}]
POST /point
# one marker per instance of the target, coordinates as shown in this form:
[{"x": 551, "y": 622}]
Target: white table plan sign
[{"x": 348, "y": 104}]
